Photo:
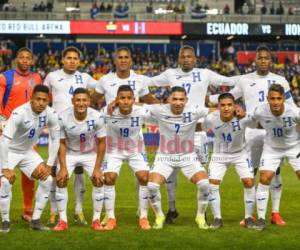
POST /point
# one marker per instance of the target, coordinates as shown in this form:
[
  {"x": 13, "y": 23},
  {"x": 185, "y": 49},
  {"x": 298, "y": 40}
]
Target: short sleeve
[
  {"x": 101, "y": 129},
  {"x": 161, "y": 80},
  {"x": 144, "y": 90},
  {"x": 12, "y": 124},
  {"x": 91, "y": 82}
]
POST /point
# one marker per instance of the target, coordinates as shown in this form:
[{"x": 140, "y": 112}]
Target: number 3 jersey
[
  {"x": 63, "y": 85},
  {"x": 281, "y": 130},
  {"x": 24, "y": 127},
  {"x": 81, "y": 135},
  {"x": 229, "y": 136}
]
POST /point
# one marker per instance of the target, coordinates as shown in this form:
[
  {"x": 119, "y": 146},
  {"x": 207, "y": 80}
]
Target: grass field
[{"x": 184, "y": 234}]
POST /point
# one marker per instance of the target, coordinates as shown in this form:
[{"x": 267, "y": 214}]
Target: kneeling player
[
  {"x": 177, "y": 123},
  {"x": 79, "y": 126},
  {"x": 280, "y": 120},
  {"x": 229, "y": 148},
  {"x": 22, "y": 131},
  {"x": 124, "y": 142}
]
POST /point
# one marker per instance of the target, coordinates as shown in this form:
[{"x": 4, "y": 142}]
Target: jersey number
[
  {"x": 227, "y": 138},
  {"x": 31, "y": 133},
  {"x": 277, "y": 132},
  {"x": 71, "y": 90},
  {"x": 187, "y": 87},
  {"x": 124, "y": 132},
  {"x": 177, "y": 127},
  {"x": 261, "y": 96},
  {"x": 82, "y": 142}
]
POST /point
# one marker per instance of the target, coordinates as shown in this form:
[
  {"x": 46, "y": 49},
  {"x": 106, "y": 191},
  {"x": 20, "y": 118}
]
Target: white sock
[
  {"x": 171, "y": 190},
  {"x": 41, "y": 197},
  {"x": 62, "y": 201},
  {"x": 52, "y": 197},
  {"x": 143, "y": 201},
  {"x": 98, "y": 198},
  {"x": 109, "y": 200},
  {"x": 155, "y": 198},
  {"x": 215, "y": 200},
  {"x": 249, "y": 200},
  {"x": 276, "y": 190},
  {"x": 79, "y": 189},
  {"x": 262, "y": 196},
  {"x": 5, "y": 198},
  {"x": 202, "y": 196}
]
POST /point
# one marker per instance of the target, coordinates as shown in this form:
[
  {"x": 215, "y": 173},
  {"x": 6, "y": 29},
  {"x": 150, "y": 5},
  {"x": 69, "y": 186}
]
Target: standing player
[
  {"x": 195, "y": 81},
  {"x": 253, "y": 87},
  {"x": 125, "y": 142},
  {"x": 22, "y": 131},
  {"x": 62, "y": 83},
  {"x": 80, "y": 125},
  {"x": 109, "y": 84},
  {"x": 229, "y": 148},
  {"x": 15, "y": 89},
  {"x": 280, "y": 121},
  {"x": 177, "y": 124}
]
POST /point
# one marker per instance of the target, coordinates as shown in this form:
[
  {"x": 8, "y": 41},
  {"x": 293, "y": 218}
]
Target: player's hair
[
  {"x": 71, "y": 49},
  {"x": 40, "y": 88},
  {"x": 24, "y": 49},
  {"x": 186, "y": 47},
  {"x": 123, "y": 49},
  {"x": 263, "y": 48},
  {"x": 226, "y": 95},
  {"x": 177, "y": 89},
  {"x": 277, "y": 88},
  {"x": 124, "y": 88},
  {"x": 80, "y": 91}
]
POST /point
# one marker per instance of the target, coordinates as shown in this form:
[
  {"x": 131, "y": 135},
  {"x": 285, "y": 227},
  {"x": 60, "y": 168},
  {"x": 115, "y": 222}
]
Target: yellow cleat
[
  {"x": 200, "y": 220},
  {"x": 159, "y": 222},
  {"x": 80, "y": 219}
]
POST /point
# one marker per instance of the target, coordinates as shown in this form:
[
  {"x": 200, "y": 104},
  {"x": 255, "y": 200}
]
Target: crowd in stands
[
  {"x": 99, "y": 63},
  {"x": 41, "y": 7}
]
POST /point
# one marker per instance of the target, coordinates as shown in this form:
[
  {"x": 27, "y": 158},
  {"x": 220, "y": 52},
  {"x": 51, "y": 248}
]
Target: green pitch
[{"x": 184, "y": 234}]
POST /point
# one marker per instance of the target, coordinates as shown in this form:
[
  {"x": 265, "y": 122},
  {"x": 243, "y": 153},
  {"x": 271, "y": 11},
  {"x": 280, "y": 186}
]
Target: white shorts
[
  {"x": 189, "y": 164},
  {"x": 86, "y": 160},
  {"x": 137, "y": 162},
  {"x": 201, "y": 146},
  {"x": 271, "y": 158},
  {"x": 220, "y": 162},
  {"x": 27, "y": 162}
]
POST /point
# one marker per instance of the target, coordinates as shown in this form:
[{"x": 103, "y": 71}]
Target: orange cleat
[
  {"x": 111, "y": 224},
  {"x": 96, "y": 225},
  {"x": 61, "y": 226},
  {"x": 144, "y": 224},
  {"x": 277, "y": 220},
  {"x": 242, "y": 222}
]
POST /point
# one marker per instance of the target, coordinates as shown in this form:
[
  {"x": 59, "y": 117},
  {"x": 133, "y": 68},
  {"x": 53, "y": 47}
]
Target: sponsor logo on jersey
[
  {"x": 252, "y": 84},
  {"x": 113, "y": 84}
]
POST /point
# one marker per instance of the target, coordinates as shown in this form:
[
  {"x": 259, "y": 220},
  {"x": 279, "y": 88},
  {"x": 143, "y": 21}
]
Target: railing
[{"x": 150, "y": 17}]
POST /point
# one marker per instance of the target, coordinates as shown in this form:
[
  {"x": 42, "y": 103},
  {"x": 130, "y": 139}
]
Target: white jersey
[
  {"x": 24, "y": 128},
  {"x": 124, "y": 131},
  {"x": 281, "y": 130},
  {"x": 195, "y": 82},
  {"x": 254, "y": 89},
  {"x": 81, "y": 135},
  {"x": 108, "y": 85},
  {"x": 229, "y": 136},
  {"x": 63, "y": 85},
  {"x": 176, "y": 131}
]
